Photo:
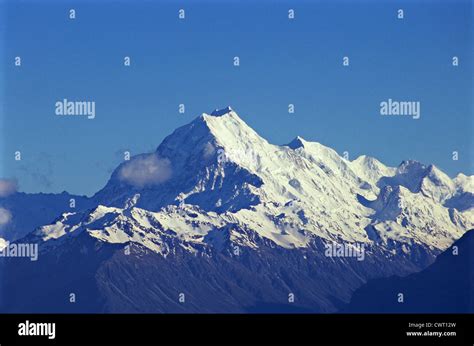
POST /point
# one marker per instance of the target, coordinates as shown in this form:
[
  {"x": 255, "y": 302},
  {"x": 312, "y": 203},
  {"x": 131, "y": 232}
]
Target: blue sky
[{"x": 191, "y": 61}]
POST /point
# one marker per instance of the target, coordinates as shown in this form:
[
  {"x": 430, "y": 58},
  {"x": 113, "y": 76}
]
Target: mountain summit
[{"x": 219, "y": 112}]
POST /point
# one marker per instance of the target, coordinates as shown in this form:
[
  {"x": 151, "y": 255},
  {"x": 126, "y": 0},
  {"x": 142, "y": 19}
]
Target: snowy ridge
[{"x": 227, "y": 181}]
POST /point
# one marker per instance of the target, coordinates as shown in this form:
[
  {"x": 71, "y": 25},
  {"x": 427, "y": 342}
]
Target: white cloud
[
  {"x": 146, "y": 170},
  {"x": 5, "y": 216},
  {"x": 7, "y": 187}
]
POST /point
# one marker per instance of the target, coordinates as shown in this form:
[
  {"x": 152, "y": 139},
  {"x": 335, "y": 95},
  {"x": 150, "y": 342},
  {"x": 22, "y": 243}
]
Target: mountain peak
[
  {"x": 369, "y": 162},
  {"x": 370, "y": 169},
  {"x": 221, "y": 112},
  {"x": 296, "y": 143},
  {"x": 465, "y": 182},
  {"x": 365, "y": 158},
  {"x": 411, "y": 166}
]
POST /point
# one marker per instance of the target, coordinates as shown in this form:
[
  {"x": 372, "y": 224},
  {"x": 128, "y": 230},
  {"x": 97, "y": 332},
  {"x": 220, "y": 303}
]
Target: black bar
[{"x": 291, "y": 329}]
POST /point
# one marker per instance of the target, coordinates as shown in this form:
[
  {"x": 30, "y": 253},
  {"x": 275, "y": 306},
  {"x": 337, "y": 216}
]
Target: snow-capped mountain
[
  {"x": 219, "y": 171},
  {"x": 215, "y": 188},
  {"x": 28, "y": 211}
]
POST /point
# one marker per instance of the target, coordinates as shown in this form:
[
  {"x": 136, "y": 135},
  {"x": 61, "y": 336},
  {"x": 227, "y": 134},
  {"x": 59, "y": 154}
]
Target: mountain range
[{"x": 218, "y": 219}]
